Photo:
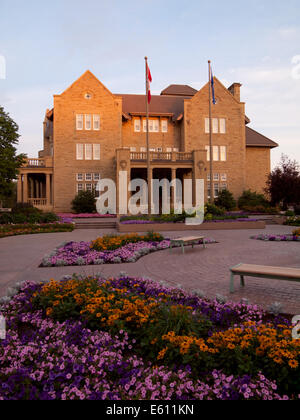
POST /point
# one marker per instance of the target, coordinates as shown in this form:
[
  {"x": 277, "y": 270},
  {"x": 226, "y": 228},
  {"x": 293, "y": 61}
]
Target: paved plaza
[{"x": 203, "y": 269}]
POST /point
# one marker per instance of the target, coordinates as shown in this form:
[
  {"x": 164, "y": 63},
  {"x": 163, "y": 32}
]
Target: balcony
[
  {"x": 46, "y": 162},
  {"x": 162, "y": 157}
]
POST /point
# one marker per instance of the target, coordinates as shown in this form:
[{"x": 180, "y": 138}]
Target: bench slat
[{"x": 252, "y": 269}]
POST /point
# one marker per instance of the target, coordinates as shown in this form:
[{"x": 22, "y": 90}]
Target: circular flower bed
[
  {"x": 277, "y": 238},
  {"x": 107, "y": 250},
  {"x": 130, "y": 338}
]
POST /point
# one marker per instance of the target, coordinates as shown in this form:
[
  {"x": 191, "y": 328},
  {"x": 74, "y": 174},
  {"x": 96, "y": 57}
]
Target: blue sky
[{"x": 48, "y": 45}]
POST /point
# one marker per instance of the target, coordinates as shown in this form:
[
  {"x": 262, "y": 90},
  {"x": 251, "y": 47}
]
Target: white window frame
[
  {"x": 96, "y": 151},
  {"x": 218, "y": 187},
  {"x": 215, "y": 125},
  {"x": 224, "y": 186},
  {"x": 79, "y": 122},
  {"x": 96, "y": 122},
  {"x": 216, "y": 153},
  {"x": 224, "y": 177},
  {"x": 216, "y": 177},
  {"x": 137, "y": 125},
  {"x": 89, "y": 187},
  {"x": 206, "y": 125},
  {"x": 89, "y": 177},
  {"x": 207, "y": 148},
  {"x": 88, "y": 151},
  {"x": 79, "y": 151},
  {"x": 97, "y": 177},
  {"x": 222, "y": 123},
  {"x": 79, "y": 177},
  {"x": 159, "y": 149},
  {"x": 78, "y": 189},
  {"x": 133, "y": 149},
  {"x": 88, "y": 119},
  {"x": 223, "y": 153},
  {"x": 143, "y": 149},
  {"x": 164, "y": 126}
]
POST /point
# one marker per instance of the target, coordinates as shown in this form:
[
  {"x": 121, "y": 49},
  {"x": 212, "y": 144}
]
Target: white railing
[
  {"x": 169, "y": 156},
  {"x": 38, "y": 202},
  {"x": 36, "y": 163}
]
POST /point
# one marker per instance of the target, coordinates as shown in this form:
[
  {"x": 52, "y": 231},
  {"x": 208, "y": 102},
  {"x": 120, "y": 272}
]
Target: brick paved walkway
[{"x": 204, "y": 269}]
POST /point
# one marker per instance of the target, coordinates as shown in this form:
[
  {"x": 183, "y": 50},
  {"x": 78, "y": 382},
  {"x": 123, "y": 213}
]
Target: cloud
[{"x": 289, "y": 33}]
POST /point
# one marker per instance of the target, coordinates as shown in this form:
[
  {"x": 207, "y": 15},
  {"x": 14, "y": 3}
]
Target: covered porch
[{"x": 35, "y": 185}]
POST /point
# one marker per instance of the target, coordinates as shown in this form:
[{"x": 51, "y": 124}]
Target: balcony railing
[
  {"x": 38, "y": 202},
  {"x": 46, "y": 162},
  {"x": 158, "y": 156}
]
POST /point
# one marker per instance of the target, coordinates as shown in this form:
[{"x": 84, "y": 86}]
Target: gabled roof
[
  {"x": 255, "y": 139},
  {"x": 179, "y": 90}
]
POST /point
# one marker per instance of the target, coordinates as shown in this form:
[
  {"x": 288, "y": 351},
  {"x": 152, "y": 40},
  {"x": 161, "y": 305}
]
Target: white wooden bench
[
  {"x": 264, "y": 272},
  {"x": 187, "y": 240}
]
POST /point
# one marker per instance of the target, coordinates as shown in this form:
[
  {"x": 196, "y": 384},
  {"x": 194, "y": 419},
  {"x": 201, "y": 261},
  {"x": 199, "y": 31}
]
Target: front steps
[{"x": 96, "y": 223}]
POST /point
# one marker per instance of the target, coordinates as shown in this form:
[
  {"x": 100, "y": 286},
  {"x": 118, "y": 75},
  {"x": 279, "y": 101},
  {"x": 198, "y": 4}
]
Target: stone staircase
[{"x": 96, "y": 223}]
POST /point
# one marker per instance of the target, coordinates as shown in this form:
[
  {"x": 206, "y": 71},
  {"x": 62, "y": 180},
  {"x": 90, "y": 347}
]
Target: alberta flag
[{"x": 213, "y": 89}]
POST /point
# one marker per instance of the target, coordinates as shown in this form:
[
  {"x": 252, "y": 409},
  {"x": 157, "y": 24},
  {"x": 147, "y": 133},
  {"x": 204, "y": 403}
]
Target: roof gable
[
  {"x": 255, "y": 139},
  {"x": 87, "y": 77},
  {"x": 179, "y": 90}
]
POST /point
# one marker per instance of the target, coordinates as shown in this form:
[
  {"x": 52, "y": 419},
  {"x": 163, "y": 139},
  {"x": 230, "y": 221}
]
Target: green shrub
[
  {"x": 214, "y": 210},
  {"x": 5, "y": 218},
  {"x": 25, "y": 208},
  {"x": 297, "y": 210},
  {"x": 252, "y": 199},
  {"x": 84, "y": 202},
  {"x": 226, "y": 200}
]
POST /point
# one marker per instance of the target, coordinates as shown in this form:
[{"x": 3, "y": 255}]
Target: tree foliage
[
  {"x": 10, "y": 162},
  {"x": 283, "y": 184}
]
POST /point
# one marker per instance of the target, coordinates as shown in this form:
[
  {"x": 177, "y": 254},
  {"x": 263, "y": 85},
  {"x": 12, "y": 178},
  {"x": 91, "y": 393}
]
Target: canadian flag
[{"x": 149, "y": 80}]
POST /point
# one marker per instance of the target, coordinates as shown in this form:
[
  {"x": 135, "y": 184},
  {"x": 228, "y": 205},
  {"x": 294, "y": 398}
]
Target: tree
[
  {"x": 10, "y": 162},
  {"x": 226, "y": 200},
  {"x": 283, "y": 183}
]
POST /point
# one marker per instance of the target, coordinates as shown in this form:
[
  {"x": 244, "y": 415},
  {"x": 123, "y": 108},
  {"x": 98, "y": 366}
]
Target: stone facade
[{"x": 178, "y": 142}]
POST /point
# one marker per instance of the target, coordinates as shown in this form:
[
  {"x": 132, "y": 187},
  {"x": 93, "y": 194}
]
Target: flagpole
[
  {"x": 149, "y": 178},
  {"x": 210, "y": 137}
]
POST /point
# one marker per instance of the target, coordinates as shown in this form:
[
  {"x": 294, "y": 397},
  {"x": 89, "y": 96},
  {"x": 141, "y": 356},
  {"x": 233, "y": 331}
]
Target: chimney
[{"x": 235, "y": 90}]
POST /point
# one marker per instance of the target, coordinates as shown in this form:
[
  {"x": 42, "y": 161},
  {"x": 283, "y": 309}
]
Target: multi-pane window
[
  {"x": 216, "y": 177},
  {"x": 153, "y": 126},
  {"x": 79, "y": 177},
  {"x": 88, "y": 122},
  {"x": 133, "y": 149},
  {"x": 79, "y": 151},
  {"x": 80, "y": 187},
  {"x": 96, "y": 122},
  {"x": 89, "y": 187},
  {"x": 96, "y": 151},
  {"x": 159, "y": 149},
  {"x": 219, "y": 153},
  {"x": 216, "y": 190},
  {"x": 137, "y": 125},
  {"x": 223, "y": 186},
  {"x": 79, "y": 122},
  {"x": 96, "y": 177},
  {"x": 215, "y": 153},
  {"x": 223, "y": 153},
  {"x": 143, "y": 150},
  {"x": 88, "y": 151},
  {"x": 215, "y": 125},
  {"x": 223, "y": 177},
  {"x": 88, "y": 177},
  {"x": 222, "y": 125},
  {"x": 218, "y": 125},
  {"x": 164, "y": 126}
]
